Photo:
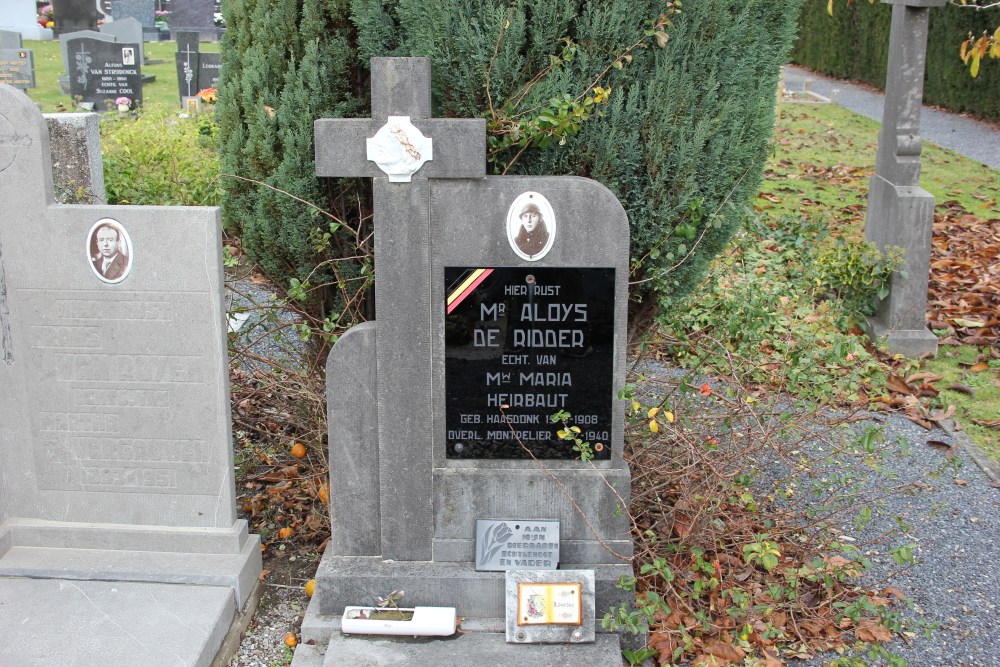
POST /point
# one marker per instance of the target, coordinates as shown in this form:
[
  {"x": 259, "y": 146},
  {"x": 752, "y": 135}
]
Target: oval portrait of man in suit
[
  {"x": 531, "y": 226},
  {"x": 109, "y": 250}
]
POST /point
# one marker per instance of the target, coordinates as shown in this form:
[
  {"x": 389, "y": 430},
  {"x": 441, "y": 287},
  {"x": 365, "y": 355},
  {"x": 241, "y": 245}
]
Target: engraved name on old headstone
[
  {"x": 104, "y": 71},
  {"x": 17, "y": 68}
]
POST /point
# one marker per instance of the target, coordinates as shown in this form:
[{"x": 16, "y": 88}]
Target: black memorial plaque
[
  {"x": 104, "y": 71},
  {"x": 209, "y": 68},
  {"x": 539, "y": 340}
]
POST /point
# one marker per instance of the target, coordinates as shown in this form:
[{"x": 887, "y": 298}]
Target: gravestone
[
  {"x": 209, "y": 69},
  {"x": 10, "y": 39},
  {"x": 77, "y": 168},
  {"x": 900, "y": 212},
  {"x": 104, "y": 71},
  {"x": 69, "y": 65},
  {"x": 17, "y": 68},
  {"x": 127, "y": 31},
  {"x": 21, "y": 16},
  {"x": 75, "y": 15},
  {"x": 194, "y": 15},
  {"x": 119, "y": 540},
  {"x": 461, "y": 292},
  {"x": 143, "y": 11},
  {"x": 188, "y": 69}
]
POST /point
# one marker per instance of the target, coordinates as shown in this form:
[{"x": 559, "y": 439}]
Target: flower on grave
[
  {"x": 46, "y": 12},
  {"x": 208, "y": 96},
  {"x": 123, "y": 101}
]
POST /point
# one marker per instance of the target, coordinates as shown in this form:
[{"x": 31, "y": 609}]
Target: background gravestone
[
  {"x": 74, "y": 15},
  {"x": 10, "y": 40},
  {"x": 142, "y": 11},
  {"x": 188, "y": 70},
  {"x": 104, "y": 71},
  {"x": 209, "y": 69},
  {"x": 69, "y": 67},
  {"x": 77, "y": 168},
  {"x": 194, "y": 15},
  {"x": 127, "y": 31},
  {"x": 21, "y": 16},
  {"x": 117, "y": 520},
  {"x": 403, "y": 508},
  {"x": 17, "y": 68}
]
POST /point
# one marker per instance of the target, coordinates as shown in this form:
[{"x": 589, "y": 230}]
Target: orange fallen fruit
[
  {"x": 290, "y": 639},
  {"x": 285, "y": 533},
  {"x": 298, "y": 450},
  {"x": 310, "y": 587},
  {"x": 324, "y": 493}
]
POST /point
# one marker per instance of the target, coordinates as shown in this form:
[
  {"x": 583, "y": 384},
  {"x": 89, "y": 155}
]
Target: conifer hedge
[
  {"x": 681, "y": 139},
  {"x": 854, "y": 44}
]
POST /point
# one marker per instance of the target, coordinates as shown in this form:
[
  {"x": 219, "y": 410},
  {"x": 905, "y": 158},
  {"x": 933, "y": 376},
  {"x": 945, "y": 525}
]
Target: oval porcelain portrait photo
[
  {"x": 109, "y": 250},
  {"x": 531, "y": 226}
]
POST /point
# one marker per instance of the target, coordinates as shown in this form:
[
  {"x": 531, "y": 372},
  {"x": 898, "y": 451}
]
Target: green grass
[
  {"x": 955, "y": 364},
  {"x": 160, "y": 93},
  {"x": 823, "y": 158}
]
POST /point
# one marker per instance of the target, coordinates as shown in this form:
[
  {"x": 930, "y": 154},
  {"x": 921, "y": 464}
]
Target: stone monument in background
[{"x": 900, "y": 212}]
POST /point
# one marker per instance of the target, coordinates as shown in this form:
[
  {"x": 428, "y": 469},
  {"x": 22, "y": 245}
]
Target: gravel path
[{"x": 962, "y": 134}]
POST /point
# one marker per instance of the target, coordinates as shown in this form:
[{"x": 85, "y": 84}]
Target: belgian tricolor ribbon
[{"x": 466, "y": 287}]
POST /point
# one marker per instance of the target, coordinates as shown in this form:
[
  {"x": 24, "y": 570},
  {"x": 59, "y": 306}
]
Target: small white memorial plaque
[
  {"x": 514, "y": 544},
  {"x": 400, "y": 149}
]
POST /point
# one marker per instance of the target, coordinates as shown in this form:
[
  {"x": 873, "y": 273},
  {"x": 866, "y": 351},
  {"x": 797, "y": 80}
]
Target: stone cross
[
  {"x": 188, "y": 70},
  {"x": 900, "y": 212},
  {"x": 401, "y": 89}
]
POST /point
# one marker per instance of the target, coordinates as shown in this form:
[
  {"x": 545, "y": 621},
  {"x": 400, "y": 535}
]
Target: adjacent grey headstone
[
  {"x": 404, "y": 511},
  {"x": 144, "y": 11},
  {"x": 116, "y": 445},
  {"x": 75, "y": 15},
  {"x": 900, "y": 212},
  {"x": 77, "y": 168},
  {"x": 103, "y": 72},
  {"x": 64, "y": 44},
  {"x": 17, "y": 68},
  {"x": 10, "y": 39},
  {"x": 127, "y": 31}
]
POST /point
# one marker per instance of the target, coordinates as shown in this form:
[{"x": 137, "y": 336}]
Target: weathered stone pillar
[{"x": 900, "y": 212}]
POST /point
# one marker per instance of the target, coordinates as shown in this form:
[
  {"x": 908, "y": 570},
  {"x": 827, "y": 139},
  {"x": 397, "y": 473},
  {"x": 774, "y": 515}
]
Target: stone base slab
[
  {"x": 913, "y": 343},
  {"x": 205, "y": 557},
  {"x": 45, "y": 622},
  {"x": 461, "y": 650},
  {"x": 351, "y": 580}
]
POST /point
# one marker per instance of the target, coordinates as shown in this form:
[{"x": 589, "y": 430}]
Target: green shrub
[
  {"x": 857, "y": 273},
  {"x": 854, "y": 44},
  {"x": 681, "y": 138},
  {"x": 159, "y": 159}
]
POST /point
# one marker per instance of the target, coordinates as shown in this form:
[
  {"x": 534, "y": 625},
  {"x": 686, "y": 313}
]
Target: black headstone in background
[
  {"x": 192, "y": 13},
  {"x": 209, "y": 67},
  {"x": 187, "y": 39},
  {"x": 101, "y": 71},
  {"x": 17, "y": 68},
  {"x": 187, "y": 72},
  {"x": 538, "y": 340},
  {"x": 73, "y": 15}
]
